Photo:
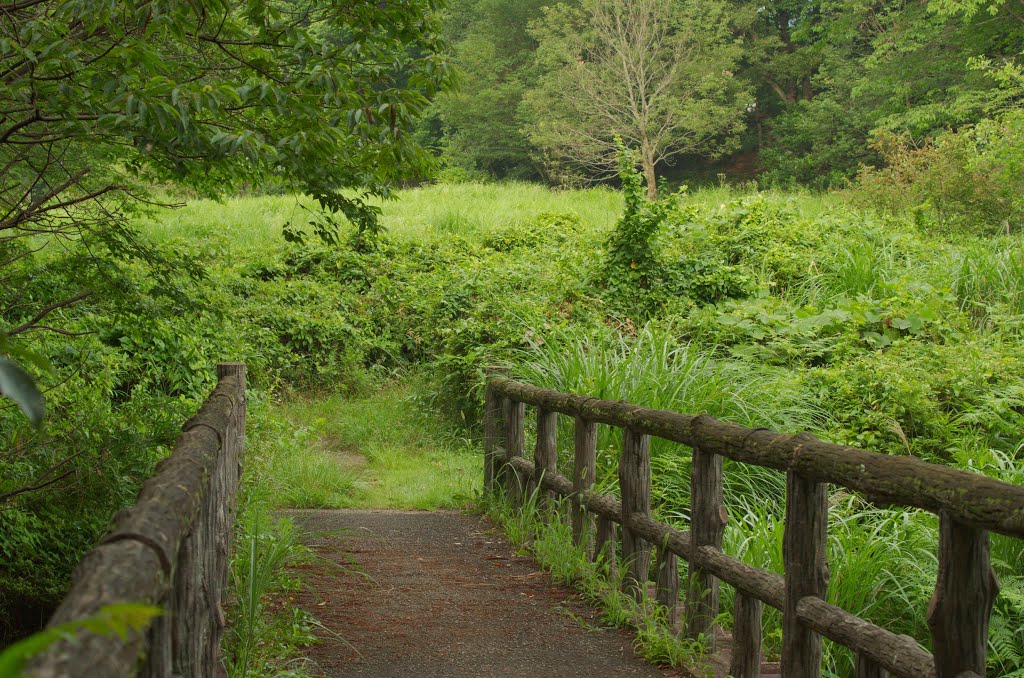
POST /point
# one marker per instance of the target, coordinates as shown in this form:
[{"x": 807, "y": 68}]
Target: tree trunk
[
  {"x": 647, "y": 158},
  {"x": 652, "y": 179}
]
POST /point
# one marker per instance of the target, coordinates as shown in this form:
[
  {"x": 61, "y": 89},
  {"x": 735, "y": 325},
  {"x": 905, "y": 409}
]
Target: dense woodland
[
  {"x": 789, "y": 93},
  {"x": 797, "y": 215}
]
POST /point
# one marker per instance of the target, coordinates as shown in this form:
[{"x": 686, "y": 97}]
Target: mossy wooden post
[
  {"x": 707, "y": 526},
  {"x": 514, "y": 417},
  {"x": 804, "y": 557},
  {"x": 545, "y": 456},
  {"x": 583, "y": 472},
  {"x": 635, "y": 485},
  {"x": 959, "y": 610},
  {"x": 493, "y": 430},
  {"x": 746, "y": 637}
]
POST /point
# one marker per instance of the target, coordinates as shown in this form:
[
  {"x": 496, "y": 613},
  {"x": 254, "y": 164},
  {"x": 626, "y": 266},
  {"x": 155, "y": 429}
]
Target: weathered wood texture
[
  {"x": 972, "y": 499},
  {"x": 606, "y": 546},
  {"x": 667, "y": 582},
  {"x": 492, "y": 438},
  {"x": 583, "y": 472},
  {"x": 746, "y": 637},
  {"x": 171, "y": 550},
  {"x": 635, "y": 486},
  {"x": 514, "y": 418},
  {"x": 960, "y": 607},
  {"x": 900, "y": 655},
  {"x": 806, "y": 571},
  {"x": 707, "y": 527},
  {"x": 969, "y": 505},
  {"x": 545, "y": 456},
  {"x": 868, "y": 668}
]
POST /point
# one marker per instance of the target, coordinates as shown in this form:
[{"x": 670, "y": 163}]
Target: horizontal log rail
[
  {"x": 171, "y": 550},
  {"x": 969, "y": 506}
]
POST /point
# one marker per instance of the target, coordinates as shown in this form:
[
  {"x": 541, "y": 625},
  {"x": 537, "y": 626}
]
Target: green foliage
[
  {"x": 632, "y": 265},
  {"x": 658, "y": 74},
  {"x": 819, "y": 143},
  {"x": 494, "y": 53},
  {"x": 261, "y": 640},
  {"x": 791, "y": 312},
  {"x": 967, "y": 180},
  {"x": 546, "y": 227},
  {"x": 111, "y": 620},
  {"x": 101, "y": 102}
]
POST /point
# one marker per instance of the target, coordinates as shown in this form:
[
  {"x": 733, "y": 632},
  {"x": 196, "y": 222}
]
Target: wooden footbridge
[{"x": 172, "y": 548}]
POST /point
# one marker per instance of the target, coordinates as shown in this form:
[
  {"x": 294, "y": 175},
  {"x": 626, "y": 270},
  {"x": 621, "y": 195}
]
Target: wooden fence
[
  {"x": 968, "y": 506},
  {"x": 171, "y": 550}
]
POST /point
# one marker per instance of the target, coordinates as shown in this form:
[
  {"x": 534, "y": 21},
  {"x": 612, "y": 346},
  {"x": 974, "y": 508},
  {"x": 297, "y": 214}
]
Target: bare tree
[{"x": 658, "y": 73}]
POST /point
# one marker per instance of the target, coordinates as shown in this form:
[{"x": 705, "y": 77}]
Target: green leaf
[
  {"x": 111, "y": 620},
  {"x": 18, "y": 385}
]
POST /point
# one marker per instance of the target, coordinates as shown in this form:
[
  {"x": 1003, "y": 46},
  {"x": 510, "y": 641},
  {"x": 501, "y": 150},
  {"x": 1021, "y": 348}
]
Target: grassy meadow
[{"x": 793, "y": 311}]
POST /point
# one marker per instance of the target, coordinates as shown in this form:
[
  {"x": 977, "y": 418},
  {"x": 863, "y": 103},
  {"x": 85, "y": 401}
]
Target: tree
[
  {"x": 895, "y": 67},
  {"x": 101, "y": 99},
  {"x": 658, "y": 73},
  {"x": 494, "y": 53},
  {"x": 98, "y": 99}
]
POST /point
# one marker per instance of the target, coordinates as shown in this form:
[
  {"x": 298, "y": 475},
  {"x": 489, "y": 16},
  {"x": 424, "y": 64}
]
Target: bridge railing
[
  {"x": 969, "y": 506},
  {"x": 171, "y": 549}
]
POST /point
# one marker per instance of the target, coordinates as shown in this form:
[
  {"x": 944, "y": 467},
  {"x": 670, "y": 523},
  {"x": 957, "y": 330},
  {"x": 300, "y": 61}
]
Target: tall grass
[
  {"x": 425, "y": 214},
  {"x": 988, "y": 278},
  {"x": 655, "y": 370},
  {"x": 429, "y": 213},
  {"x": 883, "y": 563},
  {"x": 388, "y": 452},
  {"x": 262, "y": 641}
]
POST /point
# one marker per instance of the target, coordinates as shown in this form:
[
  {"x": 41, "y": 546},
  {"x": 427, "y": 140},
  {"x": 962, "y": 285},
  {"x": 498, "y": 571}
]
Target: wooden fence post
[
  {"x": 583, "y": 472},
  {"x": 493, "y": 431},
  {"x": 606, "y": 546},
  {"x": 223, "y": 502},
  {"x": 959, "y": 610},
  {"x": 545, "y": 456},
  {"x": 635, "y": 485},
  {"x": 746, "y": 637},
  {"x": 804, "y": 555},
  {"x": 707, "y": 527},
  {"x": 668, "y": 585},
  {"x": 514, "y": 416},
  {"x": 866, "y": 667}
]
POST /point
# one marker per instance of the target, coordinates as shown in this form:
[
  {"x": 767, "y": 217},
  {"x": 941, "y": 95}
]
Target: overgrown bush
[{"x": 968, "y": 180}]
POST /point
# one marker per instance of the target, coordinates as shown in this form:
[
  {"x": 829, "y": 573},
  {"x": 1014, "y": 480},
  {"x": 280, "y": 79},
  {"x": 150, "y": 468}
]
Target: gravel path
[{"x": 442, "y": 594}]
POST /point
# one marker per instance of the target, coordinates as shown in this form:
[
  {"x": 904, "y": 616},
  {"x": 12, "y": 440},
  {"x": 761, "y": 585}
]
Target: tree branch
[{"x": 48, "y": 310}]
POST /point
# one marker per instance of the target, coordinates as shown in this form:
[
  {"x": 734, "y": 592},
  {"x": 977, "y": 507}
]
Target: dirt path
[{"x": 442, "y": 594}]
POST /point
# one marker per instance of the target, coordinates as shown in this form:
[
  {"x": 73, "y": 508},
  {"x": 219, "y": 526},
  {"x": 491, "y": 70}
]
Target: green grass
[
  {"x": 431, "y": 213},
  {"x": 380, "y": 451},
  {"x": 326, "y": 451},
  {"x": 426, "y": 214}
]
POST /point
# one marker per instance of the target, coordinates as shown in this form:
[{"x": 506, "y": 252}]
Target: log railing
[
  {"x": 969, "y": 506},
  {"x": 169, "y": 550}
]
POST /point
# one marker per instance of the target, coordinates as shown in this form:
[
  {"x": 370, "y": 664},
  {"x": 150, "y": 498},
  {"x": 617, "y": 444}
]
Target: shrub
[{"x": 968, "y": 180}]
